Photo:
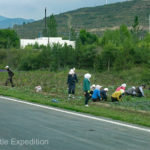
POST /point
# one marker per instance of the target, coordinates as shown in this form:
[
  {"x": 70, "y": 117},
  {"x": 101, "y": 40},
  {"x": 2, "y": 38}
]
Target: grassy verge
[
  {"x": 102, "y": 109},
  {"x": 130, "y": 109}
]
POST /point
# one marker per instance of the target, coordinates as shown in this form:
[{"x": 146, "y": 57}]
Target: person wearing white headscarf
[
  {"x": 130, "y": 91},
  {"x": 123, "y": 86},
  {"x": 71, "y": 81},
  {"x": 104, "y": 94},
  {"x": 96, "y": 93},
  {"x": 10, "y": 78},
  {"x": 86, "y": 88},
  {"x": 139, "y": 91},
  {"x": 92, "y": 88}
]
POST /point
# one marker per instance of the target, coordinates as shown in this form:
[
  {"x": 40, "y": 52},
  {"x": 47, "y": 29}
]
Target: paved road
[{"x": 51, "y": 130}]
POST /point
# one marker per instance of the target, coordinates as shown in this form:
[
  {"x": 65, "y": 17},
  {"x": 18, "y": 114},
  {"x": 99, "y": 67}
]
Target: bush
[{"x": 145, "y": 76}]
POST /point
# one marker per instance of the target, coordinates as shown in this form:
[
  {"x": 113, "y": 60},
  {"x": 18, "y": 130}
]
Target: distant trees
[
  {"x": 73, "y": 34},
  {"x": 52, "y": 26},
  {"x": 114, "y": 50},
  {"x": 87, "y": 37},
  {"x": 52, "y": 58},
  {"x": 8, "y": 38},
  {"x": 135, "y": 25}
]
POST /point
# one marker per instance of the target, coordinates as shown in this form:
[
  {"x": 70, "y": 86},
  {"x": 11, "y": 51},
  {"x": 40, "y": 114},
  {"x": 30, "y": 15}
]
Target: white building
[{"x": 45, "y": 41}]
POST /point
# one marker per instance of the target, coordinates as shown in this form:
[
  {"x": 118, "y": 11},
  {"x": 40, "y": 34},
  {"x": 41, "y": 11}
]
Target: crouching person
[
  {"x": 96, "y": 94},
  {"x": 123, "y": 86},
  {"x": 130, "y": 91},
  {"x": 139, "y": 91},
  {"x": 117, "y": 95},
  {"x": 104, "y": 94},
  {"x": 86, "y": 88},
  {"x": 92, "y": 88}
]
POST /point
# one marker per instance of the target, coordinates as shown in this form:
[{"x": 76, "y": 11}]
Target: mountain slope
[
  {"x": 94, "y": 19},
  {"x": 10, "y": 22},
  {"x": 2, "y": 18}
]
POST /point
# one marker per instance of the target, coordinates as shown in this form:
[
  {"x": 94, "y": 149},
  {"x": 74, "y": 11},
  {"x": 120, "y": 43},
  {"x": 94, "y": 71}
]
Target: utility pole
[
  {"x": 45, "y": 25},
  {"x": 149, "y": 23},
  {"x": 45, "y": 18},
  {"x": 106, "y": 2}
]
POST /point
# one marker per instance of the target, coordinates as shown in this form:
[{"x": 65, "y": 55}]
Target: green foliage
[
  {"x": 39, "y": 57},
  {"x": 135, "y": 26},
  {"x": 8, "y": 38},
  {"x": 145, "y": 77},
  {"x": 62, "y": 57},
  {"x": 115, "y": 50},
  {"x": 29, "y": 61},
  {"x": 87, "y": 38},
  {"x": 73, "y": 34},
  {"x": 3, "y": 56},
  {"x": 118, "y": 49},
  {"x": 108, "y": 55},
  {"x": 86, "y": 51},
  {"x": 117, "y": 37},
  {"x": 52, "y": 26}
]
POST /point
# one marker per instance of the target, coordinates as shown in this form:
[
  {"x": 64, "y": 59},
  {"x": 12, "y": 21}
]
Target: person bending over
[
  {"x": 117, "y": 95},
  {"x": 104, "y": 94},
  {"x": 96, "y": 94}
]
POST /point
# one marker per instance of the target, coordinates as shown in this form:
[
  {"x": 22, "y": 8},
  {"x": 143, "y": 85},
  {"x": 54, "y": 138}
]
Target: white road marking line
[{"x": 77, "y": 114}]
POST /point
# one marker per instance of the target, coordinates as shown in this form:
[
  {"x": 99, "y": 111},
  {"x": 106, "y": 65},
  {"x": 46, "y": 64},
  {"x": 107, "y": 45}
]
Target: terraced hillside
[{"x": 94, "y": 19}]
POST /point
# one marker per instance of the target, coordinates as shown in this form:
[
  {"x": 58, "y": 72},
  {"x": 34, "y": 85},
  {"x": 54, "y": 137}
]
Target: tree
[
  {"x": 73, "y": 34},
  {"x": 52, "y": 26},
  {"x": 135, "y": 26},
  {"x": 136, "y": 29},
  {"x": 87, "y": 37},
  {"x": 8, "y": 38},
  {"x": 108, "y": 55}
]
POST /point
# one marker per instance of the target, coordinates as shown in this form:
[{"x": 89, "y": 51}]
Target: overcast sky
[{"x": 34, "y": 9}]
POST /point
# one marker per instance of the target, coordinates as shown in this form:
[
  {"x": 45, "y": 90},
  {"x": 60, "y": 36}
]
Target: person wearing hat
[
  {"x": 96, "y": 94},
  {"x": 10, "y": 76},
  {"x": 86, "y": 88},
  {"x": 104, "y": 94},
  {"x": 92, "y": 88},
  {"x": 123, "y": 86},
  {"x": 117, "y": 95},
  {"x": 130, "y": 91},
  {"x": 71, "y": 81},
  {"x": 139, "y": 91}
]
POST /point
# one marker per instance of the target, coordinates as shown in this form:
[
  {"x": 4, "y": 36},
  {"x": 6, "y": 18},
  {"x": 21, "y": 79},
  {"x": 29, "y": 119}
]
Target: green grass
[{"x": 132, "y": 110}]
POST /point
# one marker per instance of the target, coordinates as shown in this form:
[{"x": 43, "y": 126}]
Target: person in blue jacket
[{"x": 96, "y": 94}]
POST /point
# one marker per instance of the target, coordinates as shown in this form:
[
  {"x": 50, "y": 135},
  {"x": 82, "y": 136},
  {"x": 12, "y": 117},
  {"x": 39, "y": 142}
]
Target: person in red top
[{"x": 123, "y": 87}]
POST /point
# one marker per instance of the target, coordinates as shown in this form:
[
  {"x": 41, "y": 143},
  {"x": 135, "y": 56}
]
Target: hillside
[
  {"x": 10, "y": 22},
  {"x": 94, "y": 19},
  {"x": 2, "y": 18}
]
